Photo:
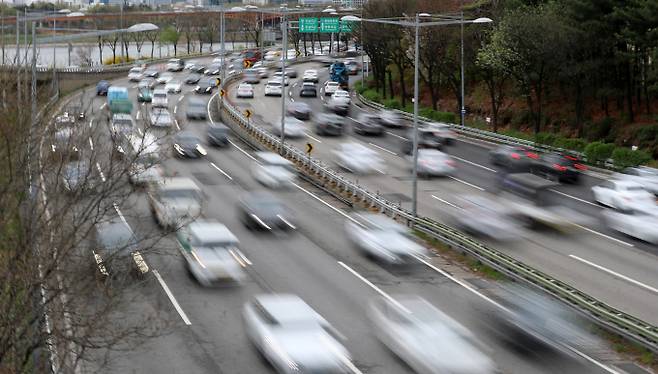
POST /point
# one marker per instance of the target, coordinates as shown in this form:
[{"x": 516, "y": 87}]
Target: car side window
[
  {"x": 262, "y": 314},
  {"x": 607, "y": 185}
]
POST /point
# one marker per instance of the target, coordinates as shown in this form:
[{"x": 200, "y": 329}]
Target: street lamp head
[
  {"x": 237, "y": 9},
  {"x": 249, "y": 7},
  {"x": 141, "y": 27},
  {"x": 329, "y": 10},
  {"x": 333, "y": 13},
  {"x": 482, "y": 20},
  {"x": 350, "y": 18},
  {"x": 424, "y": 15}
]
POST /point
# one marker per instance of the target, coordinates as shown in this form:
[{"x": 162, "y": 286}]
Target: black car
[
  {"x": 514, "y": 158},
  {"x": 368, "y": 124},
  {"x": 186, "y": 144},
  {"x": 218, "y": 134},
  {"x": 200, "y": 69},
  {"x": 329, "y": 124},
  {"x": 115, "y": 243},
  {"x": 308, "y": 90},
  {"x": 300, "y": 110},
  {"x": 213, "y": 69},
  {"x": 102, "y": 87},
  {"x": 205, "y": 86},
  {"x": 151, "y": 73},
  {"x": 559, "y": 167},
  {"x": 192, "y": 78},
  {"x": 291, "y": 73},
  {"x": 196, "y": 109},
  {"x": 78, "y": 177},
  {"x": 263, "y": 211},
  {"x": 426, "y": 139}
]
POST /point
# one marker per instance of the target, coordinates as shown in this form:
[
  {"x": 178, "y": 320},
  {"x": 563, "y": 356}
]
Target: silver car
[
  {"x": 293, "y": 337},
  {"x": 427, "y": 339},
  {"x": 380, "y": 238},
  {"x": 433, "y": 163},
  {"x": 160, "y": 117},
  {"x": 358, "y": 159},
  {"x": 273, "y": 170},
  {"x": 175, "y": 201}
]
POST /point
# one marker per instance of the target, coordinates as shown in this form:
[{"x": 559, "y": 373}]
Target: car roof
[
  {"x": 380, "y": 221},
  {"x": 272, "y": 158},
  {"x": 332, "y": 83},
  {"x": 160, "y": 91},
  {"x": 625, "y": 183},
  {"x": 177, "y": 183},
  {"x": 211, "y": 231},
  {"x": 308, "y": 84},
  {"x": 114, "y": 233},
  {"x": 286, "y": 308}
]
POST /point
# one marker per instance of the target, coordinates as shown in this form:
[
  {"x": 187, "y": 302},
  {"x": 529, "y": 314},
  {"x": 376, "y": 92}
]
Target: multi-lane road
[{"x": 203, "y": 330}]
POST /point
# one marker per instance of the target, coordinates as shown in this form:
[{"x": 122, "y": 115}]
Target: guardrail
[{"x": 603, "y": 314}]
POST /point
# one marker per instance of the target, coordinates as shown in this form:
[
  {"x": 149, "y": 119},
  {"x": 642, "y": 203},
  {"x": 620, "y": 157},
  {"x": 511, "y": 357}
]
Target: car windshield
[
  {"x": 135, "y": 70},
  {"x": 179, "y": 194},
  {"x": 160, "y": 95},
  {"x": 274, "y": 83},
  {"x": 115, "y": 236},
  {"x": 634, "y": 188},
  {"x": 122, "y": 122},
  {"x": 199, "y": 242}
]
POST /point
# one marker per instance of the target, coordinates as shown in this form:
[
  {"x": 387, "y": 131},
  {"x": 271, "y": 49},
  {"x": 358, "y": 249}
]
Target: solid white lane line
[
  {"x": 461, "y": 283},
  {"x": 100, "y": 171},
  {"x": 447, "y": 202},
  {"x": 383, "y": 149},
  {"x": 314, "y": 138},
  {"x": 176, "y": 123},
  {"x": 91, "y": 144},
  {"x": 103, "y": 106},
  {"x": 242, "y": 150},
  {"x": 615, "y": 274},
  {"x": 180, "y": 98},
  {"x": 140, "y": 132},
  {"x": 221, "y": 171},
  {"x": 466, "y": 183},
  {"x": 353, "y": 119},
  {"x": 575, "y": 198},
  {"x": 371, "y": 285},
  {"x": 208, "y": 107},
  {"x": 604, "y": 235},
  {"x": 116, "y": 207},
  {"x": 328, "y": 205},
  {"x": 593, "y": 361},
  {"x": 396, "y": 135},
  {"x": 139, "y": 113},
  {"x": 180, "y": 311},
  {"x": 474, "y": 164},
  {"x": 175, "y": 109},
  {"x": 91, "y": 123}
]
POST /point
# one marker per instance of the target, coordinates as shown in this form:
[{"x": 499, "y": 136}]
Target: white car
[
  {"x": 390, "y": 118},
  {"x": 175, "y": 64},
  {"x": 442, "y": 131},
  {"x": 135, "y": 74},
  {"x": 273, "y": 88},
  {"x": 175, "y": 201},
  {"x": 245, "y": 90},
  {"x": 381, "y": 238},
  {"x": 341, "y": 95},
  {"x": 293, "y": 337},
  {"x": 646, "y": 176},
  {"x": 487, "y": 217},
  {"x": 279, "y": 76},
  {"x": 331, "y": 87},
  {"x": 160, "y": 117},
  {"x": 310, "y": 76},
  {"x": 173, "y": 86},
  {"x": 164, "y": 78},
  {"x": 427, "y": 339},
  {"x": 358, "y": 159},
  {"x": 640, "y": 223},
  {"x": 432, "y": 162},
  {"x": 621, "y": 194},
  {"x": 160, "y": 99},
  {"x": 273, "y": 170},
  {"x": 211, "y": 252},
  {"x": 294, "y": 128},
  {"x": 190, "y": 64}
]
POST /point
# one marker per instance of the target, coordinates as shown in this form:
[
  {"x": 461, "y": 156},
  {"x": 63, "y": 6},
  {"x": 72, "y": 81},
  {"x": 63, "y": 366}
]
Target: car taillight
[
  {"x": 532, "y": 155},
  {"x": 450, "y": 163},
  {"x": 559, "y": 167},
  {"x": 580, "y": 166},
  {"x": 515, "y": 156}
]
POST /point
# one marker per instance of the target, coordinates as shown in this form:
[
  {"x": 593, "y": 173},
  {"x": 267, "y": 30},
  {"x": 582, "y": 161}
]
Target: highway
[
  {"x": 609, "y": 266},
  {"x": 202, "y": 329}
]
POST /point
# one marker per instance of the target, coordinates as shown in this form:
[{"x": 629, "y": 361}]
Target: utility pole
[
  {"x": 284, "y": 57},
  {"x": 461, "y": 25},
  {"x": 416, "y": 100},
  {"x": 222, "y": 51},
  {"x": 17, "y": 60},
  {"x": 123, "y": 45}
]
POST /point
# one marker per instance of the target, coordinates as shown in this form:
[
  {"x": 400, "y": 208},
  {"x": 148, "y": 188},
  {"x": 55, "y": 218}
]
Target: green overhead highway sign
[
  {"x": 329, "y": 24},
  {"x": 346, "y": 26},
  {"x": 308, "y": 24}
]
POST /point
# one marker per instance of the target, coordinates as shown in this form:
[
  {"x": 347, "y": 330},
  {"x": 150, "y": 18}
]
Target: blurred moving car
[
  {"x": 291, "y": 73},
  {"x": 121, "y": 123},
  {"x": 294, "y": 128},
  {"x": 218, "y": 134},
  {"x": 278, "y": 76},
  {"x": 263, "y": 72},
  {"x": 213, "y": 69},
  {"x": 116, "y": 248},
  {"x": 273, "y": 88},
  {"x": 173, "y": 86},
  {"x": 308, "y": 90},
  {"x": 251, "y": 76},
  {"x": 189, "y": 64},
  {"x": 310, "y": 75},
  {"x": 151, "y": 73},
  {"x": 559, "y": 167},
  {"x": 487, "y": 217},
  {"x": 205, "y": 86},
  {"x": 293, "y": 337},
  {"x": 643, "y": 175},
  {"x": 175, "y": 64},
  {"x": 144, "y": 95},
  {"x": 442, "y": 131},
  {"x": 192, "y": 78},
  {"x": 331, "y": 87},
  {"x": 144, "y": 151},
  {"x": 160, "y": 98},
  {"x": 427, "y": 339},
  {"x": 135, "y": 74},
  {"x": 299, "y": 110},
  {"x": 196, "y": 108},
  {"x": 352, "y": 67},
  {"x": 380, "y": 238},
  {"x": 245, "y": 90},
  {"x": 342, "y": 95},
  {"x": 175, "y": 201},
  {"x": 149, "y": 83},
  {"x": 79, "y": 177},
  {"x": 164, "y": 78},
  {"x": 102, "y": 87},
  {"x": 340, "y": 107},
  {"x": 273, "y": 170},
  {"x": 390, "y": 118},
  {"x": 639, "y": 222},
  {"x": 434, "y": 163},
  {"x": 262, "y": 210},
  {"x": 427, "y": 138},
  {"x": 368, "y": 124},
  {"x": 198, "y": 68},
  {"x": 211, "y": 252},
  {"x": 621, "y": 194},
  {"x": 160, "y": 117},
  {"x": 187, "y": 145},
  {"x": 513, "y": 158},
  {"x": 329, "y": 124},
  {"x": 358, "y": 159}
]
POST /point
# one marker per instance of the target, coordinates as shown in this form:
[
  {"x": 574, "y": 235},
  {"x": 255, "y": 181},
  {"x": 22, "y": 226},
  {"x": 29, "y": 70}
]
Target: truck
[
  {"x": 118, "y": 100},
  {"x": 338, "y": 73}
]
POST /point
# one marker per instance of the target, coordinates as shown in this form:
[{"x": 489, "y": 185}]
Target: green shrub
[
  {"x": 545, "y": 138},
  {"x": 625, "y": 157},
  {"x": 647, "y": 134},
  {"x": 576, "y": 144},
  {"x": 392, "y": 104},
  {"x": 595, "y": 131},
  {"x": 516, "y": 134},
  {"x": 520, "y": 118},
  {"x": 598, "y": 152},
  {"x": 360, "y": 87},
  {"x": 372, "y": 95}
]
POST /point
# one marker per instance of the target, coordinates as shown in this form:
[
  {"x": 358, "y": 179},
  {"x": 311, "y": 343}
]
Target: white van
[{"x": 160, "y": 98}]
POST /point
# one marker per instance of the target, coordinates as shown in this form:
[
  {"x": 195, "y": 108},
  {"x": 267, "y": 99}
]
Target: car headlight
[
  {"x": 197, "y": 87},
  {"x": 202, "y": 151},
  {"x": 179, "y": 149}
]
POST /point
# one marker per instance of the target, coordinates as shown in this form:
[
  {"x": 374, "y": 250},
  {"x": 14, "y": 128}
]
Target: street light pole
[
  {"x": 461, "y": 25},
  {"x": 222, "y": 51},
  {"x": 123, "y": 45},
  {"x": 415, "y": 145},
  {"x": 284, "y": 56}
]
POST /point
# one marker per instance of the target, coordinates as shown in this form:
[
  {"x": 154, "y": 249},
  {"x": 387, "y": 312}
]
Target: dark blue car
[{"x": 101, "y": 88}]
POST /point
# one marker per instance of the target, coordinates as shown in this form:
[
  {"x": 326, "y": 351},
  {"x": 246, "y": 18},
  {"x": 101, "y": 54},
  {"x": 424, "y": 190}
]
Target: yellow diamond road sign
[
  {"x": 218, "y": 82},
  {"x": 222, "y": 93},
  {"x": 309, "y": 148},
  {"x": 247, "y": 113}
]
